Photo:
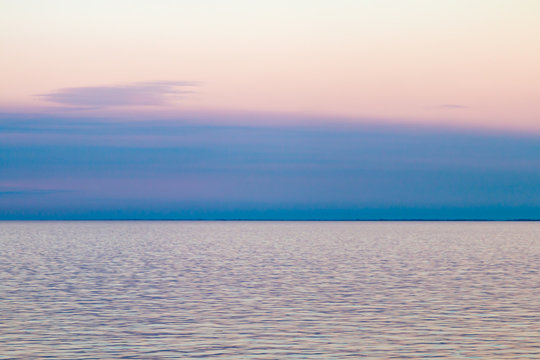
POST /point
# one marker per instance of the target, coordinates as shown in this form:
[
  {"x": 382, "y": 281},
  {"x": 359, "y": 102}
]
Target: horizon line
[{"x": 287, "y": 220}]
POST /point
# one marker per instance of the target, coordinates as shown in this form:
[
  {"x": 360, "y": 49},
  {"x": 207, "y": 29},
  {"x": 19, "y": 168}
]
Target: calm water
[{"x": 269, "y": 290}]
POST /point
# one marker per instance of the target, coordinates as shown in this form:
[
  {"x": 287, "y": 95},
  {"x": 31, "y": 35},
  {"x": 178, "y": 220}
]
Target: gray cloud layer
[
  {"x": 135, "y": 94},
  {"x": 113, "y": 170}
]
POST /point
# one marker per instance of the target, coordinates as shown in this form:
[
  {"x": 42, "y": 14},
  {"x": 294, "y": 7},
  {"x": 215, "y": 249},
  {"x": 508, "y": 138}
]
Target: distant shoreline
[{"x": 274, "y": 220}]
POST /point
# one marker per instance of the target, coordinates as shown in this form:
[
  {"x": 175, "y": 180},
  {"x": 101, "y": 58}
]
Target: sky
[{"x": 269, "y": 110}]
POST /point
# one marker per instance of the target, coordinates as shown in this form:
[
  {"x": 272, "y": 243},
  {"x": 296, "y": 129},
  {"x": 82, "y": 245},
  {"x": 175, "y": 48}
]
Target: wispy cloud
[
  {"x": 31, "y": 192},
  {"x": 451, "y": 106},
  {"x": 150, "y": 93}
]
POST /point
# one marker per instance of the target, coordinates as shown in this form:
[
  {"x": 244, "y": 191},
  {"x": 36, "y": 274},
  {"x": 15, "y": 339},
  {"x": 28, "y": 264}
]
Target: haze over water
[{"x": 270, "y": 290}]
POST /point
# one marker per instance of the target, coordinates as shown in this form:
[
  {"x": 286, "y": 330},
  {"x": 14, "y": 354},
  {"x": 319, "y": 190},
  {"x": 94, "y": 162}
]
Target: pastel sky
[
  {"x": 437, "y": 62},
  {"x": 269, "y": 109}
]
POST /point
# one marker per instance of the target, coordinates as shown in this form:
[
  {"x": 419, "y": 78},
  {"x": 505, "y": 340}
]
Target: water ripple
[{"x": 269, "y": 290}]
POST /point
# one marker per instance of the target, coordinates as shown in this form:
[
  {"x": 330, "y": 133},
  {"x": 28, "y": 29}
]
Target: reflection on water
[{"x": 269, "y": 290}]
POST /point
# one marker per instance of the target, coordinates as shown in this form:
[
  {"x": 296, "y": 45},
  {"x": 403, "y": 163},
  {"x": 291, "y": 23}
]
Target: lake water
[{"x": 270, "y": 290}]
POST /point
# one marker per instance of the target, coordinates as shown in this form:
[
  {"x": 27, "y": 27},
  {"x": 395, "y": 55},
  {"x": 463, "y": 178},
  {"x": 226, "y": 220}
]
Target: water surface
[{"x": 270, "y": 290}]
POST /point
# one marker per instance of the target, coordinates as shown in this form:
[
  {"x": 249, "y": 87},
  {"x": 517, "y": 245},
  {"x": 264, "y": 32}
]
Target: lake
[{"x": 270, "y": 290}]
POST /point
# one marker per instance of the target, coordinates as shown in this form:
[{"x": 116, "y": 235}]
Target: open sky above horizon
[{"x": 285, "y": 109}]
